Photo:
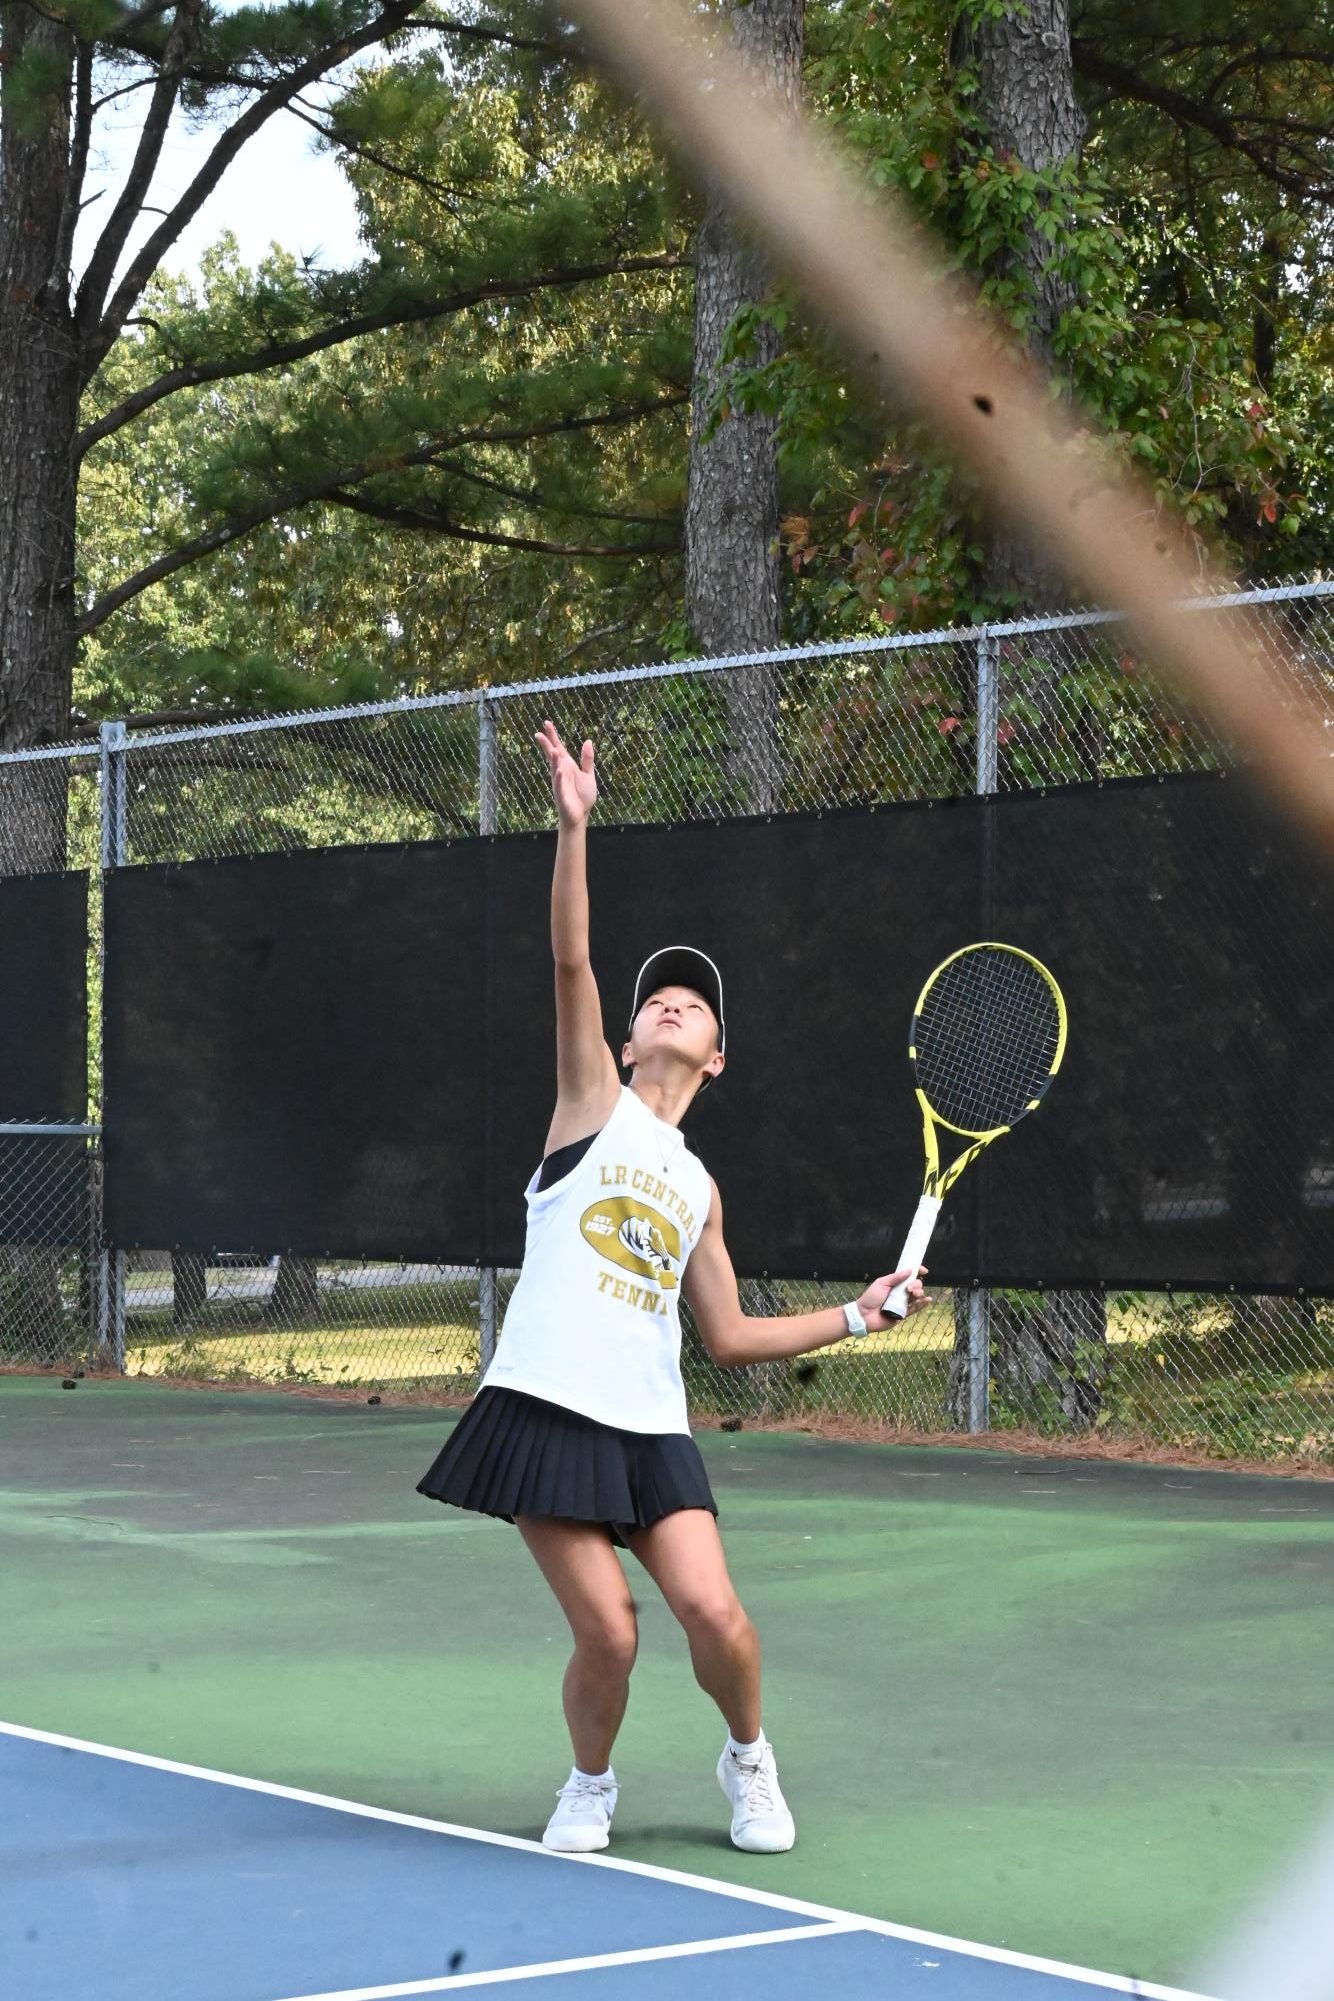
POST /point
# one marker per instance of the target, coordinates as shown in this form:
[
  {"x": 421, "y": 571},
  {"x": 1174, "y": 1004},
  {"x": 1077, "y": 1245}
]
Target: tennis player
[{"x": 579, "y": 1433}]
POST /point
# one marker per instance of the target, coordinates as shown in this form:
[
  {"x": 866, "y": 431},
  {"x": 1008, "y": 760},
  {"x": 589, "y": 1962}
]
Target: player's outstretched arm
[
  {"x": 587, "y": 1083},
  {"x": 733, "y": 1337}
]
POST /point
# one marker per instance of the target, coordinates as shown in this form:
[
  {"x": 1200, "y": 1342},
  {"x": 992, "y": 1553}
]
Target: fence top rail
[
  {"x": 50, "y": 752},
  {"x": 827, "y": 649},
  {"x": 484, "y": 697},
  {"x": 489, "y": 697},
  {"x": 54, "y": 1129}
]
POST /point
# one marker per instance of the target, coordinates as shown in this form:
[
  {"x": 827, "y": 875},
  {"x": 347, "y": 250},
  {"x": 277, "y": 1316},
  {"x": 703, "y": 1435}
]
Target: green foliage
[
  {"x": 497, "y": 491},
  {"x": 1216, "y": 1376},
  {"x": 505, "y": 474},
  {"x": 879, "y": 530}
]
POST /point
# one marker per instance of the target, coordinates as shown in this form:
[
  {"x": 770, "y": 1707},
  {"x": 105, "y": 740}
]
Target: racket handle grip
[{"x": 914, "y": 1250}]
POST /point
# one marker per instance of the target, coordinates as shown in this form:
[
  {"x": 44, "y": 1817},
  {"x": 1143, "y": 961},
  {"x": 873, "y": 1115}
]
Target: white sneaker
[
  {"x": 582, "y": 1820},
  {"x": 761, "y": 1822}
]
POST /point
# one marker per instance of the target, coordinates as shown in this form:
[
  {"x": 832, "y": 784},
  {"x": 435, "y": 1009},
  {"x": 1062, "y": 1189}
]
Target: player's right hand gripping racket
[{"x": 987, "y": 1037}]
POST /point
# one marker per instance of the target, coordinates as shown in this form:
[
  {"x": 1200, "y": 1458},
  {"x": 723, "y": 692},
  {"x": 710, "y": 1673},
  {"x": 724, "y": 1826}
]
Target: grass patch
[{"x": 400, "y": 1334}]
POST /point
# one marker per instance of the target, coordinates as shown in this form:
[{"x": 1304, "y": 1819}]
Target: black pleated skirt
[{"x": 511, "y": 1454}]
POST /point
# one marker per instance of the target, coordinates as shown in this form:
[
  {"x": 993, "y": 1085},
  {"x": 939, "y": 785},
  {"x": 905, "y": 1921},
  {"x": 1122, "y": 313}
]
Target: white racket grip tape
[{"x": 914, "y": 1250}]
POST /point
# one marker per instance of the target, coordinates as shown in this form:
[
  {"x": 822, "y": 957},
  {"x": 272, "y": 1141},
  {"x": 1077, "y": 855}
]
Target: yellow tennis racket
[{"x": 987, "y": 1037}]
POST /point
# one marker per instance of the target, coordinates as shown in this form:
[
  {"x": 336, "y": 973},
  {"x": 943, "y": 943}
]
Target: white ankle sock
[
  {"x": 607, "y": 1778},
  {"x": 746, "y": 1753}
]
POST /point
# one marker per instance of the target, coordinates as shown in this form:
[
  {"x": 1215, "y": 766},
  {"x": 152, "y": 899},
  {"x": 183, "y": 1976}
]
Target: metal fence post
[
  {"x": 111, "y": 1299},
  {"x": 487, "y": 817},
  {"x": 979, "y": 1299}
]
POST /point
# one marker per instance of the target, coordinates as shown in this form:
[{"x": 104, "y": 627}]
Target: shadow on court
[{"x": 1076, "y": 1709}]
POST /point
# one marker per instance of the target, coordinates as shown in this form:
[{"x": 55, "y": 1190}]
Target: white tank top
[{"x": 594, "y": 1321}]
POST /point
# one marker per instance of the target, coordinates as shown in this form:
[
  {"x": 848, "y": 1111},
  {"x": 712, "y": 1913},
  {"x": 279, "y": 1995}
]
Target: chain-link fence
[
  {"x": 993, "y": 709},
  {"x": 51, "y": 1269}
]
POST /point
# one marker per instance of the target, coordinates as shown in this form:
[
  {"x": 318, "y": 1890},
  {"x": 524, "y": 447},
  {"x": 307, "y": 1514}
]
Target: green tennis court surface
[{"x": 1071, "y": 1709}]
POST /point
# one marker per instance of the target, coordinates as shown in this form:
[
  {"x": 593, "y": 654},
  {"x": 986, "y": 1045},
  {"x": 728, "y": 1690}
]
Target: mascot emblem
[{"x": 639, "y": 1239}]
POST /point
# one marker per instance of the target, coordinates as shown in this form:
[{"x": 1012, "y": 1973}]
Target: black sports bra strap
[{"x": 562, "y": 1161}]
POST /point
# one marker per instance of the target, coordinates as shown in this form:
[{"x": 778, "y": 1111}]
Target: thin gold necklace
[{"x": 669, "y": 1153}]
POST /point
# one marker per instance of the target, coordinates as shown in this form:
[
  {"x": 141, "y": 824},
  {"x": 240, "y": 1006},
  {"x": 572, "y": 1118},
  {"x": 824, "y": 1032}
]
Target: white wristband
[{"x": 852, "y": 1313}]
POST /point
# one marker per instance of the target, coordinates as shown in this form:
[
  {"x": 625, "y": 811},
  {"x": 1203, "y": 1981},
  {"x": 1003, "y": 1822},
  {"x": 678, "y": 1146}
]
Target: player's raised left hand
[{"x": 574, "y": 783}]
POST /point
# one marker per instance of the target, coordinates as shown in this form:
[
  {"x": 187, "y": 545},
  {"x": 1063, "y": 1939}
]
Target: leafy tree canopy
[{"x": 486, "y": 482}]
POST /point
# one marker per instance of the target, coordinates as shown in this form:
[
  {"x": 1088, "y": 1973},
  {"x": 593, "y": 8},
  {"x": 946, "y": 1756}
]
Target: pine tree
[
  {"x": 733, "y": 572},
  {"x": 59, "y": 326}
]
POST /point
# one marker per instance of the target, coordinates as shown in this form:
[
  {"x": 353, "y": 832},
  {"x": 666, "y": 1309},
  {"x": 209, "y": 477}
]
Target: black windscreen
[
  {"x": 821, "y": 927},
  {"x": 1189, "y": 1139},
  {"x": 43, "y": 998},
  {"x": 352, "y": 1052},
  {"x": 294, "y": 1053}
]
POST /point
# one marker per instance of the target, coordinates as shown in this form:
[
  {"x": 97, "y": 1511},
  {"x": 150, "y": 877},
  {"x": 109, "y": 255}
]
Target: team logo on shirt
[{"x": 635, "y": 1237}]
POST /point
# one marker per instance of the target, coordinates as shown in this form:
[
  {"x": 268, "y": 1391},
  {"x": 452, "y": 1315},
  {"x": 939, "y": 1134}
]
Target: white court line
[
  {"x": 691, "y": 1949},
  {"x": 1115, "y": 1983}
]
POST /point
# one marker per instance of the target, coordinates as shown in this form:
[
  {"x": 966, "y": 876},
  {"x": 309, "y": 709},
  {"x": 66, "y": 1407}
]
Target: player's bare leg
[
  {"x": 683, "y": 1553},
  {"x": 583, "y": 1570}
]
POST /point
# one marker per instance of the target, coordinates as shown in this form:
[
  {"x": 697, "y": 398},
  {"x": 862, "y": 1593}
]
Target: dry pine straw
[{"x": 1020, "y": 1441}]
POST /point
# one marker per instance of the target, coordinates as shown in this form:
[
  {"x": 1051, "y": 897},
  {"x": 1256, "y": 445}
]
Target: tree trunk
[
  {"x": 958, "y": 1393},
  {"x": 1268, "y": 291},
  {"x": 1273, "y": 1331},
  {"x": 1027, "y": 107},
  {"x": 39, "y": 401},
  {"x": 733, "y": 579},
  {"x": 189, "y": 1286},
  {"x": 1027, "y": 103},
  {"x": 296, "y": 1290}
]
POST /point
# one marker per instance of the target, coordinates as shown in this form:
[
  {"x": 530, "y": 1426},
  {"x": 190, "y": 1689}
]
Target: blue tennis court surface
[{"x": 130, "y": 1879}]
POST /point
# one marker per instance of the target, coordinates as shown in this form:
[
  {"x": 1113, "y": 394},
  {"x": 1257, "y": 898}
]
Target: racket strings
[{"x": 986, "y": 1038}]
